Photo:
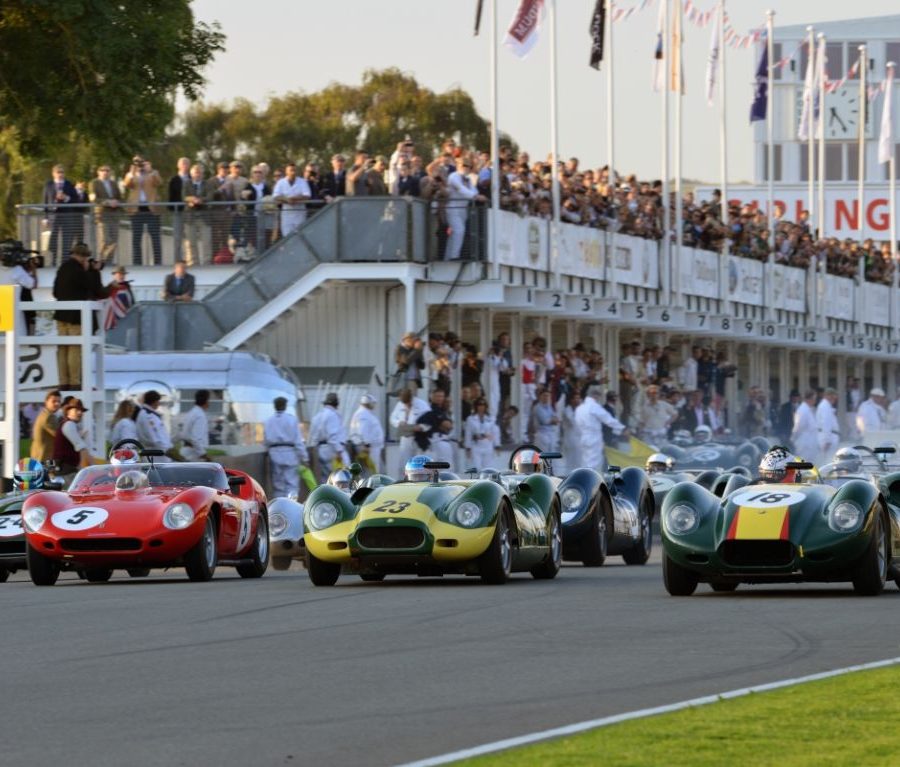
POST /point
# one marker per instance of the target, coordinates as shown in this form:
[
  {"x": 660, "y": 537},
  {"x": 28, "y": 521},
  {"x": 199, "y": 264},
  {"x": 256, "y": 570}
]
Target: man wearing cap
[
  {"x": 76, "y": 280},
  {"x": 591, "y": 417},
  {"x": 120, "y": 288},
  {"x": 70, "y": 450},
  {"x": 151, "y": 431},
  {"x": 827, "y": 422},
  {"x": 871, "y": 415},
  {"x": 367, "y": 433},
  {"x": 286, "y": 448},
  {"x": 328, "y": 436}
]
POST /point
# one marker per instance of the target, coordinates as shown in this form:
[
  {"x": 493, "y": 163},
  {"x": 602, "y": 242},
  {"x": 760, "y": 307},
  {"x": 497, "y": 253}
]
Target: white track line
[{"x": 570, "y": 729}]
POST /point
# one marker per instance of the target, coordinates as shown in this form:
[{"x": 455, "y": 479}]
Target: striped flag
[
  {"x": 117, "y": 305},
  {"x": 523, "y": 31},
  {"x": 761, "y": 92},
  {"x": 803, "y": 131},
  {"x": 886, "y": 139},
  {"x": 598, "y": 28}
]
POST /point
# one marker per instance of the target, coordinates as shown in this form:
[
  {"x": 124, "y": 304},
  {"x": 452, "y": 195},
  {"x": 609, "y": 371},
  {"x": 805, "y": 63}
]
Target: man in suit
[
  {"x": 142, "y": 183},
  {"x": 105, "y": 194},
  {"x": 177, "y": 185},
  {"x": 59, "y": 195},
  {"x": 262, "y": 225},
  {"x": 697, "y": 413},
  {"x": 196, "y": 244},
  {"x": 179, "y": 285},
  {"x": 219, "y": 213},
  {"x": 334, "y": 182}
]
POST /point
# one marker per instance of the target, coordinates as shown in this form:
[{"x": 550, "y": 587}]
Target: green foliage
[{"x": 839, "y": 721}]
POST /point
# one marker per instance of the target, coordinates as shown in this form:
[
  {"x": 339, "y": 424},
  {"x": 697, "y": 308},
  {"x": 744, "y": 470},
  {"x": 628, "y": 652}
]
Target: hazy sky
[{"x": 275, "y": 46}]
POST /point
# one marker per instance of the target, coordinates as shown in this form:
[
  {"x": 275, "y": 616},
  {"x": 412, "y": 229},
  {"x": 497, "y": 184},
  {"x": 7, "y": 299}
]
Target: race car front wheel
[
  {"x": 640, "y": 552},
  {"x": 259, "y": 555},
  {"x": 495, "y": 564},
  {"x": 321, "y": 573},
  {"x": 200, "y": 561},
  {"x": 871, "y": 573},
  {"x": 550, "y": 566},
  {"x": 43, "y": 571},
  {"x": 679, "y": 581},
  {"x": 597, "y": 543}
]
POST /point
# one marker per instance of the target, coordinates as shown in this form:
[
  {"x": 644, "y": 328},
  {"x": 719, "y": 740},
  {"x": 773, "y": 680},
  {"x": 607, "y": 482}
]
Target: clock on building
[{"x": 842, "y": 114}]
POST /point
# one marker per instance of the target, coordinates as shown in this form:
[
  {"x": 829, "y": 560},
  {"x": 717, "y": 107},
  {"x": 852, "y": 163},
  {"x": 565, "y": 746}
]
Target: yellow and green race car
[{"x": 432, "y": 528}]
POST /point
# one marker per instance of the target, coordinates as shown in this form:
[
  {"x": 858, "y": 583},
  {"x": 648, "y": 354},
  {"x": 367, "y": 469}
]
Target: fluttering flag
[
  {"x": 806, "y": 117},
  {"x": 598, "y": 28},
  {"x": 116, "y": 306},
  {"x": 761, "y": 92},
  {"x": 478, "y": 16},
  {"x": 659, "y": 75},
  {"x": 712, "y": 65},
  {"x": 886, "y": 138},
  {"x": 821, "y": 60},
  {"x": 523, "y": 31}
]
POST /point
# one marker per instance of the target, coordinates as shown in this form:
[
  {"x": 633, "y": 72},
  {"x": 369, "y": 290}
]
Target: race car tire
[
  {"x": 597, "y": 543},
  {"x": 495, "y": 565},
  {"x": 138, "y": 572},
  {"x": 43, "y": 571},
  {"x": 372, "y": 577},
  {"x": 322, "y": 573},
  {"x": 281, "y": 563},
  {"x": 724, "y": 587},
  {"x": 259, "y": 555},
  {"x": 679, "y": 582},
  {"x": 4, "y": 574},
  {"x": 200, "y": 561},
  {"x": 549, "y": 568},
  {"x": 871, "y": 573},
  {"x": 640, "y": 552},
  {"x": 98, "y": 575}
]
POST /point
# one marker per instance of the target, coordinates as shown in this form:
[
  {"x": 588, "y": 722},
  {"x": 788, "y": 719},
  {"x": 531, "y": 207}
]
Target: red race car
[{"x": 137, "y": 516}]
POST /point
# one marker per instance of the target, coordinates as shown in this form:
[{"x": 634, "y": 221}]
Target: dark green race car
[{"x": 845, "y": 528}]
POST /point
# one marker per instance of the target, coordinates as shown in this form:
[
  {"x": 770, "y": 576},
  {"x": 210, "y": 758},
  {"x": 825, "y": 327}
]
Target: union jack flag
[{"x": 117, "y": 305}]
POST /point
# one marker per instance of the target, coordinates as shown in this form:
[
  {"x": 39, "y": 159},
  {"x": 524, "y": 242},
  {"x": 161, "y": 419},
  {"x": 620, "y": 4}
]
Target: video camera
[{"x": 13, "y": 253}]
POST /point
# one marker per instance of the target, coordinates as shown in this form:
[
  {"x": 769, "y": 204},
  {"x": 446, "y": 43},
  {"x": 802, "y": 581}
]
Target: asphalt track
[{"x": 161, "y": 671}]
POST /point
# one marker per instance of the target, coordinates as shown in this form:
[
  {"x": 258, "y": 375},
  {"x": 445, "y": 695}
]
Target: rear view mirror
[{"x": 360, "y": 494}]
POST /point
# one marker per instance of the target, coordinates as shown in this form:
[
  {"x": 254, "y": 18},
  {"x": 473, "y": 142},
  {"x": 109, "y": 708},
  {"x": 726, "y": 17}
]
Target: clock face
[{"x": 842, "y": 114}]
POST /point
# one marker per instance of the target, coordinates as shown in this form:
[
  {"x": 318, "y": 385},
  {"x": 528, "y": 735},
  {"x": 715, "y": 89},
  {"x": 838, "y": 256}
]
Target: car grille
[
  {"x": 757, "y": 553},
  {"x": 12, "y": 547},
  {"x": 391, "y": 537},
  {"x": 100, "y": 544}
]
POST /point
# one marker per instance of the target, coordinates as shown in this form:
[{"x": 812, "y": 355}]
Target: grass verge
[{"x": 845, "y": 720}]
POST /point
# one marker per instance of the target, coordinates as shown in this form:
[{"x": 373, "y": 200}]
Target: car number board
[
  {"x": 79, "y": 518},
  {"x": 762, "y": 514},
  {"x": 11, "y": 525}
]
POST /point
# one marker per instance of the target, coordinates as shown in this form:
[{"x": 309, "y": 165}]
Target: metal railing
[{"x": 228, "y": 232}]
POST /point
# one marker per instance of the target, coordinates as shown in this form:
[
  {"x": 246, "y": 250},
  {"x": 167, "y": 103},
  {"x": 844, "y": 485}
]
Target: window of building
[
  {"x": 891, "y": 53},
  {"x": 834, "y": 162},
  {"x": 776, "y": 160},
  {"x": 834, "y": 61},
  {"x": 887, "y": 166},
  {"x": 777, "y": 72},
  {"x": 804, "y": 58}
]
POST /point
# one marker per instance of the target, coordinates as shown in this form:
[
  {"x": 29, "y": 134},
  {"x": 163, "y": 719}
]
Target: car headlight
[
  {"x": 34, "y": 518},
  {"x": 682, "y": 519},
  {"x": 178, "y": 516},
  {"x": 467, "y": 514},
  {"x": 844, "y": 517},
  {"x": 572, "y": 498},
  {"x": 277, "y": 524},
  {"x": 323, "y": 515}
]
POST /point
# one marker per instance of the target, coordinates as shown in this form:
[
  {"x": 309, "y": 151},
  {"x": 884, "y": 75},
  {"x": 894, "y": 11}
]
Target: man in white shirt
[
  {"x": 460, "y": 192},
  {"x": 871, "y": 415},
  {"x": 404, "y": 416},
  {"x": 546, "y": 423},
  {"x": 286, "y": 448},
  {"x": 591, "y": 417},
  {"x": 151, "y": 431},
  {"x": 827, "y": 421},
  {"x": 366, "y": 429},
  {"x": 291, "y": 191},
  {"x": 805, "y": 434},
  {"x": 195, "y": 429},
  {"x": 687, "y": 373},
  {"x": 894, "y": 413},
  {"x": 655, "y": 416},
  {"x": 327, "y": 436},
  {"x": 481, "y": 436}
]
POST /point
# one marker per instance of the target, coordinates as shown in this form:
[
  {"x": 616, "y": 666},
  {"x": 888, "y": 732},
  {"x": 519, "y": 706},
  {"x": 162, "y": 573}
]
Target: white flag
[
  {"x": 712, "y": 64},
  {"x": 886, "y": 139},
  {"x": 809, "y": 83},
  {"x": 818, "y": 119},
  {"x": 523, "y": 30}
]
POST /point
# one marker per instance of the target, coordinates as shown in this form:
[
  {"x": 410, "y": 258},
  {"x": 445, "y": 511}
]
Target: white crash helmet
[
  {"x": 341, "y": 479},
  {"x": 659, "y": 462},
  {"x": 847, "y": 459},
  {"x": 773, "y": 466},
  {"x": 124, "y": 455},
  {"x": 682, "y": 437},
  {"x": 528, "y": 462},
  {"x": 702, "y": 433}
]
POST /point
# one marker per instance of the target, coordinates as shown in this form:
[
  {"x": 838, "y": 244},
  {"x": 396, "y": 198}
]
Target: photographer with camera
[
  {"x": 142, "y": 183},
  {"x": 19, "y": 267},
  {"x": 60, "y": 207}
]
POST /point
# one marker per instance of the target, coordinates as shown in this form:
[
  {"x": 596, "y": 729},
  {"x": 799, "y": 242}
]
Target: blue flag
[{"x": 761, "y": 93}]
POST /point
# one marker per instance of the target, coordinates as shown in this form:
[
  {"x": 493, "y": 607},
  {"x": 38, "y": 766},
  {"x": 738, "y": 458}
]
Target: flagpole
[
  {"x": 554, "y": 139},
  {"x": 892, "y": 188},
  {"x": 723, "y": 131},
  {"x": 610, "y": 144},
  {"x": 674, "y": 274},
  {"x": 811, "y": 133},
  {"x": 861, "y": 151},
  {"x": 495, "y": 143},
  {"x": 770, "y": 131},
  {"x": 820, "y": 63},
  {"x": 679, "y": 202}
]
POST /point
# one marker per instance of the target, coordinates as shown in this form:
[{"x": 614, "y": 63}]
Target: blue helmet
[
  {"x": 415, "y": 469},
  {"x": 28, "y": 474}
]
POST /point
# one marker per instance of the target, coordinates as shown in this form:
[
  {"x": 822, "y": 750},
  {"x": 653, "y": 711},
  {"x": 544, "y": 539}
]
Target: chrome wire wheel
[
  {"x": 505, "y": 547},
  {"x": 209, "y": 544},
  {"x": 555, "y": 541},
  {"x": 882, "y": 549}
]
